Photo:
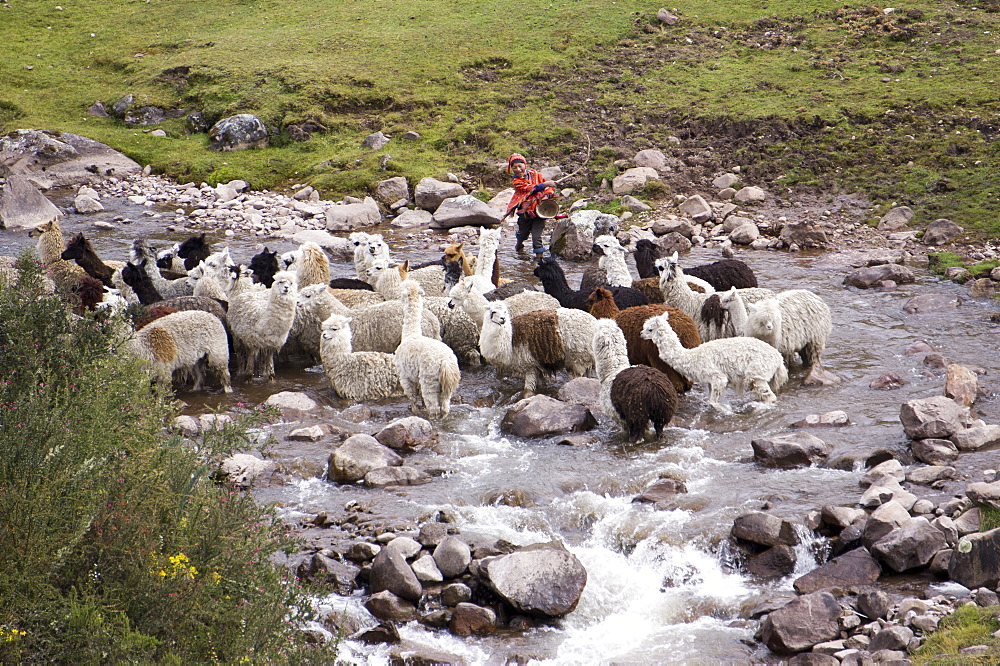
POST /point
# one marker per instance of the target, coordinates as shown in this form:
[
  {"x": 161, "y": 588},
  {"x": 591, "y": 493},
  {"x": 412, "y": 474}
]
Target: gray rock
[
  {"x": 573, "y": 237},
  {"x": 941, "y": 231},
  {"x": 97, "y": 109},
  {"x": 931, "y": 303},
  {"x": 799, "y": 449},
  {"x": 661, "y": 493},
  {"x": 803, "y": 235},
  {"x": 875, "y": 604},
  {"x": 412, "y": 218},
  {"x": 347, "y": 217},
  {"x": 651, "y": 158},
  {"x": 362, "y": 551},
  {"x": 426, "y": 570},
  {"x": 893, "y": 637},
  {"x": 926, "y": 624},
  {"x": 887, "y": 489},
  {"x": 49, "y": 160},
  {"x": 544, "y": 579},
  {"x": 887, "y": 381},
  {"x": 773, "y": 562},
  {"x": 665, "y": 17},
  {"x": 925, "y": 476},
  {"x": 629, "y": 202},
  {"x": 633, "y": 180},
  {"x": 873, "y": 276},
  {"x": 675, "y": 242},
  {"x": 391, "y": 572},
  {"x": 145, "y": 116},
  {"x": 465, "y": 211},
  {"x": 326, "y": 570},
  {"x": 725, "y": 180},
  {"x": 984, "y": 495},
  {"x": 834, "y": 419},
  {"x": 814, "y": 659},
  {"x": 804, "y": 622},
  {"x": 242, "y": 469},
  {"x": 840, "y": 517},
  {"x": 745, "y": 234},
  {"x": 454, "y": 594},
  {"x": 338, "y": 248},
  {"x": 405, "y": 546},
  {"x": 934, "y": 451},
  {"x": 734, "y": 222},
  {"x": 764, "y": 529},
  {"x": 750, "y": 194},
  {"x": 584, "y": 391},
  {"x": 887, "y": 517},
  {"x": 431, "y": 534},
  {"x": 851, "y": 571},
  {"x": 910, "y": 546},
  {"x": 986, "y": 597},
  {"x": 375, "y": 141},
  {"x": 430, "y": 192},
  {"x": 292, "y": 401},
  {"x": 892, "y": 469},
  {"x": 682, "y": 226},
  {"x": 23, "y": 206},
  {"x": 387, "y": 606},
  {"x": 895, "y": 219},
  {"x": 976, "y": 437},
  {"x": 935, "y": 417},
  {"x": 409, "y": 432},
  {"x": 86, "y": 205},
  {"x": 470, "y": 619},
  {"x": 947, "y": 527},
  {"x": 359, "y": 455},
  {"x": 412, "y": 136},
  {"x": 307, "y": 434},
  {"x": 968, "y": 522},
  {"x": 962, "y": 385},
  {"x": 452, "y": 556},
  {"x": 540, "y": 415},
  {"x": 392, "y": 189},
  {"x": 239, "y": 132},
  {"x": 697, "y": 209}
]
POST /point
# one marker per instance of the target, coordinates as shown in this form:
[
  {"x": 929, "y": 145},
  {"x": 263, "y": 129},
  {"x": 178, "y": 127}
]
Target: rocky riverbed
[{"x": 857, "y": 500}]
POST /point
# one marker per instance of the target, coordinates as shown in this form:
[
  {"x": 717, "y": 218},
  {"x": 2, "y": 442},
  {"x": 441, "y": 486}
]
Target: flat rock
[
  {"x": 409, "y": 432},
  {"x": 540, "y": 415},
  {"x": 61, "y": 159},
  {"x": 463, "y": 211},
  {"x": 351, "y": 216},
  {"x": 800, "y": 449},
  {"x": 359, "y": 455},
  {"x": 873, "y": 276},
  {"x": 544, "y": 579},
  {"x": 935, "y": 417},
  {"x": 984, "y": 495},
  {"x": 834, "y": 419},
  {"x": 976, "y": 437},
  {"x": 925, "y": 476},
  {"x": 934, "y": 451},
  {"x": 804, "y": 622},
  {"x": 430, "y": 192},
  {"x": 931, "y": 303},
  {"x": 291, "y": 400},
  {"x": 849, "y": 572},
  {"x": 403, "y": 475}
]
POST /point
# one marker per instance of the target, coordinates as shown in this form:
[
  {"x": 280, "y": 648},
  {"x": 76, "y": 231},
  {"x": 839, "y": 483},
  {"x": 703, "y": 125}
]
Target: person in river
[{"x": 530, "y": 187}]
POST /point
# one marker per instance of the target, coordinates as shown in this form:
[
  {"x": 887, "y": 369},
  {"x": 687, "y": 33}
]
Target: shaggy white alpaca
[
  {"x": 313, "y": 305},
  {"x": 467, "y": 296},
  {"x": 612, "y": 261},
  {"x": 458, "y": 331},
  {"x": 428, "y": 369},
  {"x": 167, "y": 288},
  {"x": 634, "y": 395},
  {"x": 489, "y": 243},
  {"x": 537, "y": 343},
  {"x": 213, "y": 277},
  {"x": 174, "y": 345},
  {"x": 355, "y": 375},
  {"x": 743, "y": 362},
  {"x": 50, "y": 246},
  {"x": 380, "y": 326},
  {"x": 260, "y": 322},
  {"x": 677, "y": 293},
  {"x": 796, "y": 321},
  {"x": 309, "y": 263}
]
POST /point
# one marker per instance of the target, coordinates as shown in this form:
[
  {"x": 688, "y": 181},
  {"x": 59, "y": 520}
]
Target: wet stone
[
  {"x": 387, "y": 606},
  {"x": 470, "y": 619},
  {"x": 934, "y": 451},
  {"x": 887, "y": 381},
  {"x": 431, "y": 534},
  {"x": 850, "y": 571},
  {"x": 452, "y": 556},
  {"x": 454, "y": 594}
]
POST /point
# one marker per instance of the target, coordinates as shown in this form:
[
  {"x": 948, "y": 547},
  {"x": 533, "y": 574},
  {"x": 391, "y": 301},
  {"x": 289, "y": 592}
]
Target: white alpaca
[
  {"x": 175, "y": 344},
  {"x": 380, "y": 327},
  {"x": 212, "y": 277},
  {"x": 309, "y": 263},
  {"x": 167, "y": 288},
  {"x": 796, "y": 321},
  {"x": 677, "y": 293},
  {"x": 458, "y": 331},
  {"x": 355, "y": 375},
  {"x": 387, "y": 279},
  {"x": 50, "y": 246},
  {"x": 612, "y": 261},
  {"x": 313, "y": 305},
  {"x": 743, "y": 362},
  {"x": 537, "y": 343},
  {"x": 428, "y": 369},
  {"x": 467, "y": 296},
  {"x": 260, "y": 322},
  {"x": 359, "y": 240},
  {"x": 243, "y": 282},
  {"x": 489, "y": 243}
]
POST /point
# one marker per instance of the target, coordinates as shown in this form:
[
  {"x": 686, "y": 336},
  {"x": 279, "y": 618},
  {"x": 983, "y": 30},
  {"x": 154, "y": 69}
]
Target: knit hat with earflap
[{"x": 515, "y": 157}]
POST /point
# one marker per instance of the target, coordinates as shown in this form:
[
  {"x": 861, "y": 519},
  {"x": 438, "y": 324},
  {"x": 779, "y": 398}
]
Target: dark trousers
[{"x": 532, "y": 226}]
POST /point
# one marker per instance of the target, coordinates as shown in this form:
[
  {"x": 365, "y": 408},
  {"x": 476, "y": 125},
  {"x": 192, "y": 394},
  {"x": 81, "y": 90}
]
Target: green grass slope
[{"x": 901, "y": 105}]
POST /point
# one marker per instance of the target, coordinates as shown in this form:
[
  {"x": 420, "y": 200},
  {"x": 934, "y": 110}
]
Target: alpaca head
[
  {"x": 452, "y": 274},
  {"x": 404, "y": 271},
  {"x": 286, "y": 260},
  {"x": 764, "y": 317},
  {"x": 284, "y": 283},
  {"x": 605, "y": 245},
  {"x": 51, "y": 225},
  {"x": 410, "y": 289},
  {"x": 498, "y": 314},
  {"x": 337, "y": 326},
  {"x": 75, "y": 247},
  {"x": 547, "y": 268},
  {"x": 453, "y": 253},
  {"x": 376, "y": 270},
  {"x": 731, "y": 299},
  {"x": 658, "y": 326},
  {"x": 141, "y": 250},
  {"x": 598, "y": 295},
  {"x": 377, "y": 247},
  {"x": 165, "y": 258},
  {"x": 358, "y": 238},
  {"x": 459, "y": 292},
  {"x": 192, "y": 245},
  {"x": 264, "y": 265},
  {"x": 132, "y": 274},
  {"x": 669, "y": 268}
]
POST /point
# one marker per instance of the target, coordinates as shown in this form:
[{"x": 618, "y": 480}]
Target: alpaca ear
[
  {"x": 459, "y": 246},
  {"x": 404, "y": 270},
  {"x": 674, "y": 257}
]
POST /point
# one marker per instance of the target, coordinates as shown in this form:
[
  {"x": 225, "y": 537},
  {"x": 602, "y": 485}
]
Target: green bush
[{"x": 118, "y": 546}]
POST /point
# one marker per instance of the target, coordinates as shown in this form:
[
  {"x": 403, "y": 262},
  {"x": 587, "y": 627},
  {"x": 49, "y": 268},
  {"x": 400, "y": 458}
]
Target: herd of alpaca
[{"x": 395, "y": 330}]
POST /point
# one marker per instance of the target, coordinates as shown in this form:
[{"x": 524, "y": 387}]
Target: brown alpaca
[
  {"x": 631, "y": 320},
  {"x": 153, "y": 314},
  {"x": 454, "y": 253},
  {"x": 539, "y": 330}
]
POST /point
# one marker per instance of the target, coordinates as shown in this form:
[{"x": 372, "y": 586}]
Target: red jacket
[{"x": 524, "y": 194}]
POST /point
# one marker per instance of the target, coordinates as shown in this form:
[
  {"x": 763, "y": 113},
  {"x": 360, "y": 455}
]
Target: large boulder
[
  {"x": 697, "y": 208},
  {"x": 984, "y": 495},
  {"x": 60, "y": 159},
  {"x": 851, "y": 571},
  {"x": 633, "y": 180},
  {"x": 803, "y": 234},
  {"x": 910, "y": 546},
  {"x": 652, "y": 158},
  {"x": 976, "y": 437},
  {"x": 541, "y": 415},
  {"x": 409, "y": 432},
  {"x": 359, "y": 455},
  {"x": 392, "y": 189},
  {"x": 465, "y": 211},
  {"x": 935, "y": 417},
  {"x": 934, "y": 451},
  {"x": 452, "y": 557},
  {"x": 895, "y": 219},
  {"x": 391, "y": 572},
  {"x": 544, "y": 579},
  {"x": 975, "y": 562},
  {"x": 800, "y": 449},
  {"x": 870, "y": 276},
  {"x": 941, "y": 231},
  {"x": 347, "y": 217},
  {"x": 430, "y": 192},
  {"x": 764, "y": 529},
  {"x": 806, "y": 621},
  {"x": 22, "y": 206},
  {"x": 239, "y": 132},
  {"x": 573, "y": 237}
]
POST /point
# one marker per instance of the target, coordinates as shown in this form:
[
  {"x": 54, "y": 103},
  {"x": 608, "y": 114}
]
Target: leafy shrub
[{"x": 118, "y": 545}]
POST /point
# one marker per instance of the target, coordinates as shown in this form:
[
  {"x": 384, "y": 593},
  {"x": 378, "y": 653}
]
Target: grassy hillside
[{"x": 902, "y": 105}]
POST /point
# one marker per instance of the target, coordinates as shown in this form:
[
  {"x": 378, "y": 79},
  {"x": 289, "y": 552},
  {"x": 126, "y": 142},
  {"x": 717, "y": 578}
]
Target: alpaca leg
[
  {"x": 716, "y": 387},
  {"x": 430, "y": 388},
  {"x": 530, "y": 381},
  {"x": 763, "y": 391},
  {"x": 412, "y": 391},
  {"x": 220, "y": 367}
]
